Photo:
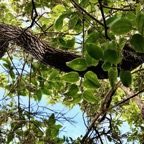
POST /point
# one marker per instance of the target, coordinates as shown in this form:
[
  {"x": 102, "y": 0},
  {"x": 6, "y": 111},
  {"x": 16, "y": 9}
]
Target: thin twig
[
  {"x": 104, "y": 21},
  {"x": 84, "y": 11},
  {"x": 101, "y": 113},
  {"x": 122, "y": 102},
  {"x": 118, "y": 9}
]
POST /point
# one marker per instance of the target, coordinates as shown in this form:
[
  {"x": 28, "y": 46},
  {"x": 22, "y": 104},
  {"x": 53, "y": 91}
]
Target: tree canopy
[{"x": 88, "y": 53}]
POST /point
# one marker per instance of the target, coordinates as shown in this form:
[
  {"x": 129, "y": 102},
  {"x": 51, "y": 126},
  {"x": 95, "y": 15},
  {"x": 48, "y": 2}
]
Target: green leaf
[
  {"x": 121, "y": 26},
  {"x": 72, "y": 90},
  {"x": 73, "y": 20},
  {"x": 89, "y": 84},
  {"x": 126, "y": 78},
  {"x": 46, "y": 91},
  {"x": 91, "y": 80},
  {"x": 137, "y": 41},
  {"x": 62, "y": 41},
  {"x": 112, "y": 56},
  {"x": 88, "y": 96},
  {"x": 59, "y": 9},
  {"x": 54, "y": 132},
  {"x": 113, "y": 74},
  {"x": 39, "y": 94},
  {"x": 7, "y": 61},
  {"x": 84, "y": 3},
  {"x": 110, "y": 21},
  {"x": 106, "y": 66},
  {"x": 59, "y": 23},
  {"x": 94, "y": 51},
  {"x": 92, "y": 38},
  {"x": 70, "y": 41},
  {"x": 53, "y": 74},
  {"x": 93, "y": 1},
  {"x": 10, "y": 137},
  {"x": 76, "y": 98},
  {"x": 51, "y": 120},
  {"x": 78, "y": 64},
  {"x": 140, "y": 22},
  {"x": 12, "y": 74},
  {"x": 71, "y": 77},
  {"x": 90, "y": 61}
]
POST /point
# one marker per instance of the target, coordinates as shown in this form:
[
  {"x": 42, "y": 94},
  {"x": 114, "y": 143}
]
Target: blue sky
[{"x": 70, "y": 130}]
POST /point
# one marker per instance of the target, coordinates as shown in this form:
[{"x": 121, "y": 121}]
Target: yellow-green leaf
[
  {"x": 71, "y": 77},
  {"x": 88, "y": 96},
  {"x": 78, "y": 64},
  {"x": 91, "y": 76}
]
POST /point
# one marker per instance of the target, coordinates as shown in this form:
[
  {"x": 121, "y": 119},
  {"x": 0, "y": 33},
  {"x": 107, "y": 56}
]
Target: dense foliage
[{"x": 105, "y": 76}]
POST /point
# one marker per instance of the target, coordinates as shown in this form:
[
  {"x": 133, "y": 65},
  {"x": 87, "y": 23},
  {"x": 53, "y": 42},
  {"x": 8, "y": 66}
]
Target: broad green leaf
[
  {"x": 72, "y": 90},
  {"x": 88, "y": 96},
  {"x": 62, "y": 41},
  {"x": 90, "y": 61},
  {"x": 110, "y": 21},
  {"x": 140, "y": 22},
  {"x": 12, "y": 74},
  {"x": 112, "y": 56},
  {"x": 45, "y": 90},
  {"x": 7, "y": 61},
  {"x": 54, "y": 132},
  {"x": 78, "y": 64},
  {"x": 67, "y": 41},
  {"x": 121, "y": 26},
  {"x": 113, "y": 74},
  {"x": 53, "y": 74},
  {"x": 6, "y": 66},
  {"x": 92, "y": 77},
  {"x": 51, "y": 120},
  {"x": 78, "y": 27},
  {"x": 70, "y": 41},
  {"x": 59, "y": 23},
  {"x": 137, "y": 41},
  {"x": 106, "y": 66},
  {"x": 126, "y": 78},
  {"x": 59, "y": 9},
  {"x": 76, "y": 98},
  {"x": 73, "y": 20},
  {"x": 89, "y": 84},
  {"x": 91, "y": 80},
  {"x": 71, "y": 77},
  {"x": 92, "y": 37},
  {"x": 39, "y": 94},
  {"x": 84, "y": 3},
  {"x": 93, "y": 1},
  {"x": 94, "y": 51}
]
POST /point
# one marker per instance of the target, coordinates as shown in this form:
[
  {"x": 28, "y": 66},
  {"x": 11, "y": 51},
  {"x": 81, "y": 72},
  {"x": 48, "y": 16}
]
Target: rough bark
[{"x": 57, "y": 58}]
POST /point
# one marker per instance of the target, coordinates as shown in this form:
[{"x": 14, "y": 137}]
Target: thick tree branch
[{"x": 57, "y": 58}]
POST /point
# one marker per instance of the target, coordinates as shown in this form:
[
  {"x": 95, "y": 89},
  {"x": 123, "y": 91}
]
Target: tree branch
[
  {"x": 57, "y": 58},
  {"x": 136, "y": 99}
]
